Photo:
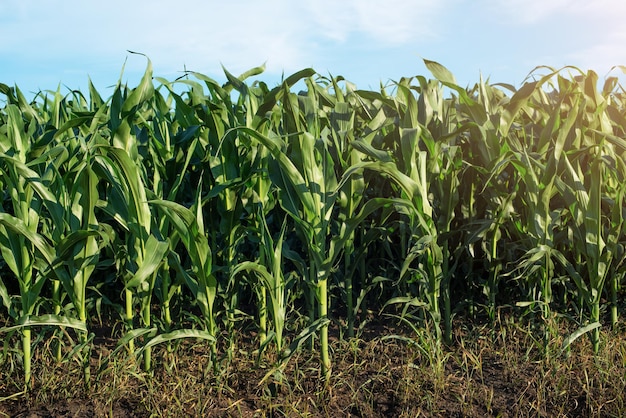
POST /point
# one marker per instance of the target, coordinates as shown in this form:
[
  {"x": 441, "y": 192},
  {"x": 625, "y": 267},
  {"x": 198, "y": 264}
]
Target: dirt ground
[{"x": 482, "y": 374}]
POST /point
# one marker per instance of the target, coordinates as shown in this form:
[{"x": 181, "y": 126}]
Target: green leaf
[
  {"x": 440, "y": 72},
  {"x": 17, "y": 226},
  {"x": 370, "y": 151},
  {"x": 47, "y": 320},
  {"x": 578, "y": 333},
  {"x": 155, "y": 253},
  {"x": 303, "y": 337},
  {"x": 176, "y": 335},
  {"x": 142, "y": 92}
]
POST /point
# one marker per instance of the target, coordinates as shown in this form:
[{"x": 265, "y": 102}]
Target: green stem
[
  {"x": 614, "y": 288},
  {"x": 56, "y": 299},
  {"x": 323, "y": 307},
  {"x": 445, "y": 295},
  {"x": 147, "y": 354},
  {"x": 547, "y": 298},
  {"x": 493, "y": 273},
  {"x": 234, "y": 301},
  {"x": 84, "y": 337},
  {"x": 129, "y": 316},
  {"x": 595, "y": 333},
  {"x": 166, "y": 284},
  {"x": 263, "y": 315},
  {"x": 348, "y": 285},
  {"x": 263, "y": 257},
  {"x": 26, "y": 341},
  {"x": 311, "y": 301},
  {"x": 167, "y": 314}
]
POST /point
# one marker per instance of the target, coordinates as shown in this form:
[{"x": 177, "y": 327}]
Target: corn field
[{"x": 189, "y": 207}]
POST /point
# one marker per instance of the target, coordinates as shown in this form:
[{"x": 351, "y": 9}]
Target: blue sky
[{"x": 47, "y": 43}]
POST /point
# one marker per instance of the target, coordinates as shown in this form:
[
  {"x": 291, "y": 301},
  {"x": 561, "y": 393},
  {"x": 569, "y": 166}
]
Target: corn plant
[
  {"x": 200, "y": 280},
  {"x": 308, "y": 194},
  {"x": 421, "y": 249},
  {"x": 129, "y": 206},
  {"x": 27, "y": 253},
  {"x": 272, "y": 286},
  {"x": 492, "y": 196},
  {"x": 69, "y": 260}
]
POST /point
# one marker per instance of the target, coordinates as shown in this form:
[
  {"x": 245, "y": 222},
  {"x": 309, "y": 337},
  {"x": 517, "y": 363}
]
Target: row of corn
[{"x": 223, "y": 204}]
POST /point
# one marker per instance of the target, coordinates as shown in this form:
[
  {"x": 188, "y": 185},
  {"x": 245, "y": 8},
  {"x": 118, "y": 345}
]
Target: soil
[{"x": 481, "y": 374}]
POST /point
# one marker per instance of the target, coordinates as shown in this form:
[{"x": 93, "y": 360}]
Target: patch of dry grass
[{"x": 484, "y": 373}]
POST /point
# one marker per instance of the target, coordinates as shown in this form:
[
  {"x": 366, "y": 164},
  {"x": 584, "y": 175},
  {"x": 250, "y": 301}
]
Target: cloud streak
[
  {"x": 204, "y": 33},
  {"x": 364, "y": 39}
]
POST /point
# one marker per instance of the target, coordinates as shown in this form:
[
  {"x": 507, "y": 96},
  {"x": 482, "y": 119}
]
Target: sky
[{"x": 45, "y": 44}]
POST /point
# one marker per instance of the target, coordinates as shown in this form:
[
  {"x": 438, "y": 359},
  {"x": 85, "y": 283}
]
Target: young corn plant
[
  {"x": 341, "y": 130},
  {"x": 444, "y": 167},
  {"x": 200, "y": 278},
  {"x": 422, "y": 247},
  {"x": 172, "y": 150},
  {"x": 592, "y": 170},
  {"x": 80, "y": 238},
  {"x": 26, "y": 252},
  {"x": 272, "y": 286},
  {"x": 489, "y": 146},
  {"x": 68, "y": 258},
  {"x": 44, "y": 255},
  {"x": 231, "y": 163},
  {"x": 406, "y": 166},
  {"x": 306, "y": 194},
  {"x": 128, "y": 205},
  {"x": 308, "y": 191},
  {"x": 539, "y": 225}
]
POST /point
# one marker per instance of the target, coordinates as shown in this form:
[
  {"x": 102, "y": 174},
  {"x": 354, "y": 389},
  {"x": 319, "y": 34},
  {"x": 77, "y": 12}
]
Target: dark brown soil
[{"x": 480, "y": 375}]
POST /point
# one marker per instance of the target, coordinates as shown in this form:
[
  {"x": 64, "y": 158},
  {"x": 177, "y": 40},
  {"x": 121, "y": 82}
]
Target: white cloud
[
  {"x": 389, "y": 22},
  {"x": 528, "y": 11},
  {"x": 586, "y": 34},
  {"x": 79, "y": 37},
  {"x": 601, "y": 35},
  {"x": 602, "y": 56},
  {"x": 524, "y": 12},
  {"x": 202, "y": 34}
]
